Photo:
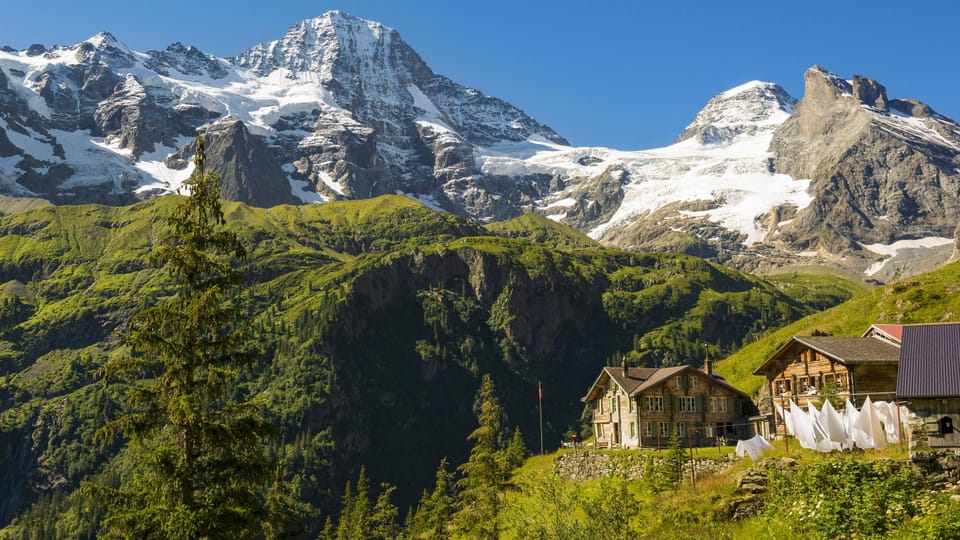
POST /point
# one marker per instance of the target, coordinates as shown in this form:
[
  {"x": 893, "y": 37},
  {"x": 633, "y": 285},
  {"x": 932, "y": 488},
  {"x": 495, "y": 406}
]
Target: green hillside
[
  {"x": 377, "y": 319},
  {"x": 542, "y": 230},
  {"x": 923, "y": 298}
]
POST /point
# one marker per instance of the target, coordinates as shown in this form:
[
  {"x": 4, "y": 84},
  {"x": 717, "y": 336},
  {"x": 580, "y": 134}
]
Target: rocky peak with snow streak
[
  {"x": 882, "y": 170},
  {"x": 346, "y": 108}
]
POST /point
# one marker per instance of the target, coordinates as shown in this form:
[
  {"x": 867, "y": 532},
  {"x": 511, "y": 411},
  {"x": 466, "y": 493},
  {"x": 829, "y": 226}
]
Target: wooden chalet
[
  {"x": 848, "y": 367},
  {"x": 636, "y": 407},
  {"x": 928, "y": 384}
]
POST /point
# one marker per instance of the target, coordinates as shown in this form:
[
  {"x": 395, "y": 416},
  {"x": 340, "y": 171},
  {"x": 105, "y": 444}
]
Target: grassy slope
[
  {"x": 924, "y": 298},
  {"x": 542, "y": 230},
  {"x": 687, "y": 512}
]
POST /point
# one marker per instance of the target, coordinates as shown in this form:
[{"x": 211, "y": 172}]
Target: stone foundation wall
[{"x": 593, "y": 464}]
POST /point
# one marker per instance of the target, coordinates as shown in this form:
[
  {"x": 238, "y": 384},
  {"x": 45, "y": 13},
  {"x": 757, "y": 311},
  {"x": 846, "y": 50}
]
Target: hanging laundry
[
  {"x": 832, "y": 422},
  {"x": 868, "y": 431},
  {"x": 820, "y": 436},
  {"x": 754, "y": 447},
  {"x": 786, "y": 417},
  {"x": 804, "y": 427},
  {"x": 850, "y": 416},
  {"x": 887, "y": 412}
]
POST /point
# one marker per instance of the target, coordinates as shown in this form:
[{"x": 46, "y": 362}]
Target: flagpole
[{"x": 540, "y": 402}]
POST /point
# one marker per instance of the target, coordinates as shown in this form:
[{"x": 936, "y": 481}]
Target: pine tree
[
  {"x": 432, "y": 517},
  {"x": 673, "y": 463},
  {"x": 486, "y": 472},
  {"x": 200, "y": 465},
  {"x": 515, "y": 453},
  {"x": 384, "y": 519},
  {"x": 359, "y": 520}
]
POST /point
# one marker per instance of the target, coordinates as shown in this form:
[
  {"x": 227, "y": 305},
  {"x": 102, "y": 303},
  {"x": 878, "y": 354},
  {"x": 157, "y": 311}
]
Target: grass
[{"x": 689, "y": 511}]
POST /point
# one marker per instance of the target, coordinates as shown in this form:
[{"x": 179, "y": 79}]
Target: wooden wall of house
[
  {"x": 933, "y": 423},
  {"x": 809, "y": 373},
  {"x": 877, "y": 380},
  {"x": 700, "y": 426}
]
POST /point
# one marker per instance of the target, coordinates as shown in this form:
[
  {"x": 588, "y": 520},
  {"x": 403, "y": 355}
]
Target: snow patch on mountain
[
  {"x": 890, "y": 251},
  {"x": 732, "y": 173}
]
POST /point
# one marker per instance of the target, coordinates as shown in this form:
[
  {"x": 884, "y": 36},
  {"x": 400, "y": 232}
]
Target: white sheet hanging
[
  {"x": 832, "y": 422},
  {"x": 804, "y": 427},
  {"x": 868, "y": 431},
  {"x": 754, "y": 447},
  {"x": 887, "y": 412},
  {"x": 787, "y": 419}
]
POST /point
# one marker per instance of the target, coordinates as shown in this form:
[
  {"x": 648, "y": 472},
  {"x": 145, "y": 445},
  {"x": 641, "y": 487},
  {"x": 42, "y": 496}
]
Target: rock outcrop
[{"x": 881, "y": 170}]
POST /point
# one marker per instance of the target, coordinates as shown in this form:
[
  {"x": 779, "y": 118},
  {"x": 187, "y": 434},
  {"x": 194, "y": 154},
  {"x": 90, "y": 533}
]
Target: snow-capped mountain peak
[
  {"x": 313, "y": 45},
  {"x": 742, "y": 110}
]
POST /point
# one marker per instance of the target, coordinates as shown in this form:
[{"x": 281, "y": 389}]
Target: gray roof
[
  {"x": 929, "y": 361},
  {"x": 846, "y": 350},
  {"x": 638, "y": 379},
  {"x": 853, "y": 350}
]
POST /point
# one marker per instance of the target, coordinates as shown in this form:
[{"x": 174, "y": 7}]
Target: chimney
[
  {"x": 624, "y": 366},
  {"x": 708, "y": 366}
]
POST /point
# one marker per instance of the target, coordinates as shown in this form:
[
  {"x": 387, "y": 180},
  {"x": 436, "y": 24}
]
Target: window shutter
[{"x": 729, "y": 404}]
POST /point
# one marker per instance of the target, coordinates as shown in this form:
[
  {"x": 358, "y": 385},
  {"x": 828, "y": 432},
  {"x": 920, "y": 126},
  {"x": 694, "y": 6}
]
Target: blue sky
[{"x": 624, "y": 74}]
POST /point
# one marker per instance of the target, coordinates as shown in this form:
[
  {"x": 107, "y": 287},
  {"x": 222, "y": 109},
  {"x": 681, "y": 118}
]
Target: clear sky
[{"x": 624, "y": 74}]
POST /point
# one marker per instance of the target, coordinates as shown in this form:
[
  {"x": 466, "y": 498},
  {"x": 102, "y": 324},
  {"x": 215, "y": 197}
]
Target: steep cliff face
[
  {"x": 248, "y": 171},
  {"x": 881, "y": 170}
]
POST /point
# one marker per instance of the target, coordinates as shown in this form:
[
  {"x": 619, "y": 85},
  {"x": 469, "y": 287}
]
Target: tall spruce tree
[
  {"x": 200, "y": 465},
  {"x": 487, "y": 472},
  {"x": 432, "y": 517}
]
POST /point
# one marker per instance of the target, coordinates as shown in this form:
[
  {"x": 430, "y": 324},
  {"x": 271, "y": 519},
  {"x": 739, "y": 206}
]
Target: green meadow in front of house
[{"x": 860, "y": 494}]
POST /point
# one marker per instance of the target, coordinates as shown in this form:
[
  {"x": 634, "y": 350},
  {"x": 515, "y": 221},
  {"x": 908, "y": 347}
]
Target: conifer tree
[
  {"x": 359, "y": 520},
  {"x": 432, "y": 517},
  {"x": 486, "y": 472},
  {"x": 199, "y": 462},
  {"x": 516, "y": 452}
]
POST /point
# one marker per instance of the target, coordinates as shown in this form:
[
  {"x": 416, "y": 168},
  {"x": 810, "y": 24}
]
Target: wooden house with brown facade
[
  {"x": 808, "y": 367},
  {"x": 636, "y": 407}
]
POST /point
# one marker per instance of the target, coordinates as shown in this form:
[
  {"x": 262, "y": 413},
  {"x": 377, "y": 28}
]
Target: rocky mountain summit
[
  {"x": 882, "y": 170},
  {"x": 345, "y": 107},
  {"x": 342, "y": 108}
]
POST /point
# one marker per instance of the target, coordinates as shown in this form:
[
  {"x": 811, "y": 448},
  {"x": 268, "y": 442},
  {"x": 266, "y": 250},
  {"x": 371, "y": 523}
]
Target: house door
[{"x": 616, "y": 434}]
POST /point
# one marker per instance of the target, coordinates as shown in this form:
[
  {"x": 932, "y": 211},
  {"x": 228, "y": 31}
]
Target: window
[
  {"x": 718, "y": 404},
  {"x": 600, "y": 434},
  {"x": 678, "y": 383},
  {"x": 599, "y": 406},
  {"x": 693, "y": 382},
  {"x": 688, "y": 404},
  {"x": 633, "y": 430},
  {"x": 648, "y": 429},
  {"x": 664, "y": 429},
  {"x": 613, "y": 405},
  {"x": 629, "y": 404},
  {"x": 681, "y": 429},
  {"x": 655, "y": 403}
]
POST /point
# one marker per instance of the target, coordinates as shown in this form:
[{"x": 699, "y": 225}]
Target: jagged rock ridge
[{"x": 346, "y": 108}]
